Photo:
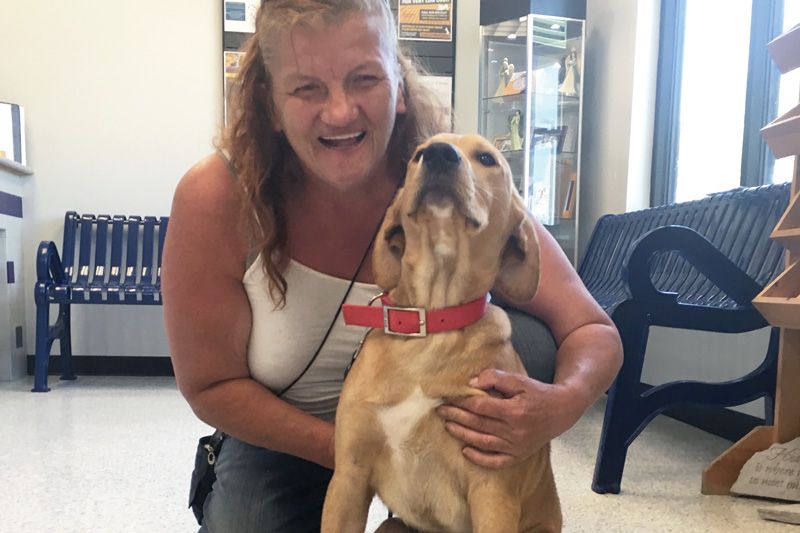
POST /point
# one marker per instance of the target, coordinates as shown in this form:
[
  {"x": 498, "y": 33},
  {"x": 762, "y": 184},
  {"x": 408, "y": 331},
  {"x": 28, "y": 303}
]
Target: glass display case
[{"x": 530, "y": 108}]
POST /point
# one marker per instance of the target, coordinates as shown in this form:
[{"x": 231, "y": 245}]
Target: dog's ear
[
  {"x": 519, "y": 264},
  {"x": 389, "y": 247}
]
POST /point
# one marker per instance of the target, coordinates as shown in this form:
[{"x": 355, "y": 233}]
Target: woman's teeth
[{"x": 342, "y": 141}]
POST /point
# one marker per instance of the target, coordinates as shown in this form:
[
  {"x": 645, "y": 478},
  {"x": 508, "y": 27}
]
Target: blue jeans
[
  {"x": 263, "y": 491},
  {"x": 260, "y": 490}
]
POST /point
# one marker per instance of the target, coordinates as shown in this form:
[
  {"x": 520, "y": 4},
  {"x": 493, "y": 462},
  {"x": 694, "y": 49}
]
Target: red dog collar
[{"x": 414, "y": 321}]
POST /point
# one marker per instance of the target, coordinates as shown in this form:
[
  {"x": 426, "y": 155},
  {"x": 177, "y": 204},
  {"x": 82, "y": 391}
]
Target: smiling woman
[{"x": 324, "y": 114}]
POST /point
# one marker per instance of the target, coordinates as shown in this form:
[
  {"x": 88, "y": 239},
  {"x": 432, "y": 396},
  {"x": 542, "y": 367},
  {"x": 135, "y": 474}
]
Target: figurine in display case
[
  {"x": 569, "y": 75},
  {"x": 504, "y": 76},
  {"x": 515, "y": 129}
]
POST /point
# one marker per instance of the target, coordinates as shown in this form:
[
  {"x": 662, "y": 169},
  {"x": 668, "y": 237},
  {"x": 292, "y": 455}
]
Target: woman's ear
[
  {"x": 390, "y": 244},
  {"x": 519, "y": 266}
]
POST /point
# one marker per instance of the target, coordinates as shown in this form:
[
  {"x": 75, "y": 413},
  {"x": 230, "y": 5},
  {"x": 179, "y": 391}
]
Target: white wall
[
  {"x": 120, "y": 99},
  {"x": 619, "y": 101}
]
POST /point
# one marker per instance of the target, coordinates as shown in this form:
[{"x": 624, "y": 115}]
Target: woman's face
[{"x": 336, "y": 95}]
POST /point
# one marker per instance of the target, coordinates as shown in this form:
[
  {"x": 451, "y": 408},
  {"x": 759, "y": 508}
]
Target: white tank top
[{"x": 283, "y": 341}]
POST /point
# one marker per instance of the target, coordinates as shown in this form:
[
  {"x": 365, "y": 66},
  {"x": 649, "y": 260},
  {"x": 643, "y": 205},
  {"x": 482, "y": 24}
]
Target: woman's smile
[{"x": 344, "y": 141}]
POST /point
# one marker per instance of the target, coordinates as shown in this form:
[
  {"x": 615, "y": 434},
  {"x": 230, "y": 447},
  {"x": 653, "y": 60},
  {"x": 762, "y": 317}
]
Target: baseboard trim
[
  {"x": 110, "y": 365},
  {"x": 720, "y": 421}
]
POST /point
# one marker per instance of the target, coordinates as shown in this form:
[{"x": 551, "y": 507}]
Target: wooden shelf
[
  {"x": 719, "y": 476},
  {"x": 779, "y": 302},
  {"x": 787, "y": 231},
  {"x": 783, "y": 134},
  {"x": 785, "y": 50}
]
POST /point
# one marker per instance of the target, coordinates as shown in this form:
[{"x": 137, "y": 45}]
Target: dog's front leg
[
  {"x": 492, "y": 509},
  {"x": 347, "y": 502}
]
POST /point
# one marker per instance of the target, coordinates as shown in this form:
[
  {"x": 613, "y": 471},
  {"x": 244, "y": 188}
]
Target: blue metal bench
[
  {"x": 105, "y": 260},
  {"x": 694, "y": 265}
]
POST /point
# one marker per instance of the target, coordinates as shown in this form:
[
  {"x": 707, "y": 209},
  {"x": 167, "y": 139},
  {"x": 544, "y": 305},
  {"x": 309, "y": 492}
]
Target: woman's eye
[
  {"x": 366, "y": 81},
  {"x": 486, "y": 159},
  {"x": 304, "y": 90}
]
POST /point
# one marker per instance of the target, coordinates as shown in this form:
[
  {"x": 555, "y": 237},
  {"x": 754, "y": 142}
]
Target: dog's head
[{"x": 459, "y": 221}]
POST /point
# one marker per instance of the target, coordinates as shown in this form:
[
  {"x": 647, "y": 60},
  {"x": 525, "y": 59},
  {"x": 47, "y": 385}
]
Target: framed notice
[
  {"x": 425, "y": 20},
  {"x": 240, "y": 16}
]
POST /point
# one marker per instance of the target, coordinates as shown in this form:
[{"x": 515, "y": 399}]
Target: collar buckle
[{"x": 423, "y": 327}]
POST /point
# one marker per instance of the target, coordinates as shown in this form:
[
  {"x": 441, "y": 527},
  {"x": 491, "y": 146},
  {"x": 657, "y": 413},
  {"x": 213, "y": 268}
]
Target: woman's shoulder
[
  {"x": 207, "y": 208},
  {"x": 209, "y": 188}
]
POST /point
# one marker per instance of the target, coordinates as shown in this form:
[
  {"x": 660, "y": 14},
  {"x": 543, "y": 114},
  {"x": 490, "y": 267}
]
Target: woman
[{"x": 264, "y": 243}]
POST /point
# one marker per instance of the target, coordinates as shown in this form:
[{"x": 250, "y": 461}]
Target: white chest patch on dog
[{"x": 400, "y": 420}]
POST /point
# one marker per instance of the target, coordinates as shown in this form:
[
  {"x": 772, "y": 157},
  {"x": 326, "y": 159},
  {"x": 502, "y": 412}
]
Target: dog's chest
[
  {"x": 399, "y": 421},
  {"x": 417, "y": 482}
]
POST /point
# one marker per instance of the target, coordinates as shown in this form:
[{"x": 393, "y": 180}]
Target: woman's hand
[{"x": 503, "y": 429}]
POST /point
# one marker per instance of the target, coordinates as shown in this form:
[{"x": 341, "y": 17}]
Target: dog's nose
[{"x": 440, "y": 157}]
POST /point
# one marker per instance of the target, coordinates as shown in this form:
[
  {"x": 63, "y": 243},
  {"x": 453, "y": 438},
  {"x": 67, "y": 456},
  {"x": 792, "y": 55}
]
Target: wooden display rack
[{"x": 779, "y": 302}]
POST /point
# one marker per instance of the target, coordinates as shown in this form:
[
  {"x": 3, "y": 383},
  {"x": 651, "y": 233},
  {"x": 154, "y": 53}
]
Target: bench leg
[
  {"x": 622, "y": 418},
  {"x": 65, "y": 341},
  {"x": 43, "y": 344}
]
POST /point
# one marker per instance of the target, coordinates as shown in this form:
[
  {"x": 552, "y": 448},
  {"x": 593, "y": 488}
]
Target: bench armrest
[
  {"x": 699, "y": 252},
  {"x": 48, "y": 263}
]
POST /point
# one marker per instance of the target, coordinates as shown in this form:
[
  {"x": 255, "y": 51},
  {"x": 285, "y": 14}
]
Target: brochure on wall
[
  {"x": 442, "y": 88},
  {"x": 425, "y": 20},
  {"x": 232, "y": 61},
  {"x": 240, "y": 16},
  {"x": 12, "y": 132}
]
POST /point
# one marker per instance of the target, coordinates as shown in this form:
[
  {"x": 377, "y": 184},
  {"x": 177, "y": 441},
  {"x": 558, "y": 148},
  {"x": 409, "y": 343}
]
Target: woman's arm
[
  {"x": 208, "y": 321},
  {"x": 501, "y": 431}
]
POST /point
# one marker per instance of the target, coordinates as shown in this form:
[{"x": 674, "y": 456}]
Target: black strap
[{"x": 336, "y": 316}]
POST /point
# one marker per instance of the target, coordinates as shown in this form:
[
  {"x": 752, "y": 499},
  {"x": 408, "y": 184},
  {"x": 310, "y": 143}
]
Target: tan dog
[{"x": 457, "y": 229}]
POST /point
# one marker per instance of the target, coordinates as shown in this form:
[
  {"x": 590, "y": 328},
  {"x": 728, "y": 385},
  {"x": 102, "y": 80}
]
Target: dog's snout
[{"x": 440, "y": 157}]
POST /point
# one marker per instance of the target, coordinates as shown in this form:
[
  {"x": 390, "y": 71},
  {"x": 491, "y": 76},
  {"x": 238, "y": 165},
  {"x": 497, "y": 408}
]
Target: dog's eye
[
  {"x": 417, "y": 156},
  {"x": 486, "y": 159}
]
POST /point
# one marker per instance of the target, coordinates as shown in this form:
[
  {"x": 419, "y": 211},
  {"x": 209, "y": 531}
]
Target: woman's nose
[{"x": 339, "y": 109}]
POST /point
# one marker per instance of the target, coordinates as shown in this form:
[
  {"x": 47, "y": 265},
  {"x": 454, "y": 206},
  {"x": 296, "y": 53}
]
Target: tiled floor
[{"x": 114, "y": 455}]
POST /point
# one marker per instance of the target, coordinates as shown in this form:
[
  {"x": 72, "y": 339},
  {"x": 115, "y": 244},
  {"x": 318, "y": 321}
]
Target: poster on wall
[
  {"x": 442, "y": 89},
  {"x": 240, "y": 16},
  {"x": 232, "y": 62},
  {"x": 425, "y": 20}
]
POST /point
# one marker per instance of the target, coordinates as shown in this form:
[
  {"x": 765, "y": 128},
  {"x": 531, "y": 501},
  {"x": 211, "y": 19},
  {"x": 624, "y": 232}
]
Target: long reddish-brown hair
[{"x": 261, "y": 156}]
